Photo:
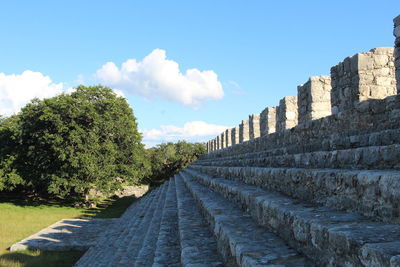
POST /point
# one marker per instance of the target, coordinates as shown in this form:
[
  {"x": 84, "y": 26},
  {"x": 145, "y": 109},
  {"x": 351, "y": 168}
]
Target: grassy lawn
[{"x": 22, "y": 218}]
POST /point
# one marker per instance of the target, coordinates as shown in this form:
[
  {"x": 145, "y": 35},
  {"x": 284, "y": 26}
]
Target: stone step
[
  {"x": 241, "y": 241},
  {"x": 96, "y": 253},
  {"x": 370, "y": 193},
  {"x": 130, "y": 252},
  {"x": 114, "y": 248},
  {"x": 146, "y": 253},
  {"x": 329, "y": 237},
  {"x": 167, "y": 252},
  {"x": 334, "y": 142},
  {"x": 373, "y": 157},
  {"x": 198, "y": 245}
]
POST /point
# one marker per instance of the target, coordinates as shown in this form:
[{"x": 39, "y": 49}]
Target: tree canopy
[
  {"x": 71, "y": 143},
  {"x": 169, "y": 158}
]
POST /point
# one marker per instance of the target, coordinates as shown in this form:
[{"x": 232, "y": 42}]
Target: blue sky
[{"x": 257, "y": 52}]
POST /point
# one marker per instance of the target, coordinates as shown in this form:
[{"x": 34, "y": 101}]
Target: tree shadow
[
  {"x": 107, "y": 208},
  {"x": 34, "y": 201},
  {"x": 32, "y": 258},
  {"x": 68, "y": 234}
]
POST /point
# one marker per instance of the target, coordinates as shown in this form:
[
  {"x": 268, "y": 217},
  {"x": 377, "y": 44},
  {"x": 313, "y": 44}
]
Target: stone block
[
  {"x": 244, "y": 131},
  {"x": 396, "y": 21},
  {"x": 396, "y": 33},
  {"x": 218, "y": 142},
  {"x": 371, "y": 75},
  {"x": 286, "y": 115},
  {"x": 235, "y": 135},
  {"x": 228, "y": 138},
  {"x": 268, "y": 121},
  {"x": 222, "y": 140},
  {"x": 314, "y": 98},
  {"x": 254, "y": 126}
]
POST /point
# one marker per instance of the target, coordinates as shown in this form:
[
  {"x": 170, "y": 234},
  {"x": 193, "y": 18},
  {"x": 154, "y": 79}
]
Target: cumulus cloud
[
  {"x": 194, "y": 131},
  {"x": 158, "y": 77},
  {"x": 16, "y": 90}
]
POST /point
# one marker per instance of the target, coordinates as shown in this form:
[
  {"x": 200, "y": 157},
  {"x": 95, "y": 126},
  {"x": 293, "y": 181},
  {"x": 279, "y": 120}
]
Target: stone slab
[{"x": 67, "y": 234}]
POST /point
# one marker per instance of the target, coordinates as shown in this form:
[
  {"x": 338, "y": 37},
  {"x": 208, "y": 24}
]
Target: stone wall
[
  {"x": 254, "y": 126},
  {"x": 396, "y": 33},
  {"x": 357, "y": 79},
  {"x": 331, "y": 132},
  {"x": 244, "y": 131},
  {"x": 314, "y": 98},
  {"x": 364, "y": 76},
  {"x": 286, "y": 115},
  {"x": 268, "y": 121}
]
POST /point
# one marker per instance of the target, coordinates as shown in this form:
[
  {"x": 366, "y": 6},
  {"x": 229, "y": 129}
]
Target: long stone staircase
[{"x": 323, "y": 193}]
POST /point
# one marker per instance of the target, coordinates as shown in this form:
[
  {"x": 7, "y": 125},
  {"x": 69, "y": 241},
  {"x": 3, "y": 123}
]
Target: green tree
[
  {"x": 168, "y": 159},
  {"x": 9, "y": 140},
  {"x": 75, "y": 142}
]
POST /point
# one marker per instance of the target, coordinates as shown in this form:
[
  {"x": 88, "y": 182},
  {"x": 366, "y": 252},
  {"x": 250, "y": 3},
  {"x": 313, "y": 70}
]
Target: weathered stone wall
[
  {"x": 268, "y": 121},
  {"x": 244, "y": 131},
  {"x": 396, "y": 33},
  {"x": 331, "y": 132},
  {"x": 134, "y": 190},
  {"x": 314, "y": 98},
  {"x": 254, "y": 126},
  {"x": 286, "y": 115},
  {"x": 228, "y": 141},
  {"x": 235, "y": 135},
  {"x": 359, "y": 78},
  {"x": 364, "y": 76}
]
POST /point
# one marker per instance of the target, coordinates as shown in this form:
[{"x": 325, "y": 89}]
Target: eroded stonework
[
  {"x": 314, "y": 98},
  {"x": 268, "y": 121},
  {"x": 287, "y": 113},
  {"x": 364, "y": 76},
  {"x": 254, "y": 126},
  {"x": 244, "y": 131}
]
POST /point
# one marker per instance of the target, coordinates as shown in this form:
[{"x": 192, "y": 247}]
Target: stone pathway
[{"x": 67, "y": 234}]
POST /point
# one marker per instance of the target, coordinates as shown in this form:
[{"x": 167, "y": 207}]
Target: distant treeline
[{"x": 67, "y": 145}]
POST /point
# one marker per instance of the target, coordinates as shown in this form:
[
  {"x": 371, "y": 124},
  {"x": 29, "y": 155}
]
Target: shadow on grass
[
  {"x": 108, "y": 208},
  {"x": 30, "y": 201},
  {"x": 31, "y": 258}
]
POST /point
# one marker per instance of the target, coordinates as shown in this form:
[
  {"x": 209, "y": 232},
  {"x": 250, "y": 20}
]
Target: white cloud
[
  {"x": 157, "y": 77},
  {"x": 16, "y": 90},
  {"x": 195, "y": 131}
]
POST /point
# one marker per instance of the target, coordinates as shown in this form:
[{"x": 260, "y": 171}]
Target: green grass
[{"x": 22, "y": 218}]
